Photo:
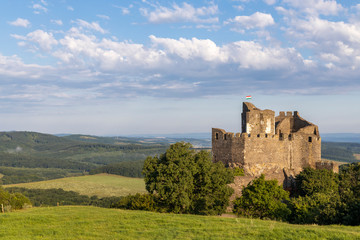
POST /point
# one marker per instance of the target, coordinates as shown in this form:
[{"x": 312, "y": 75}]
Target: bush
[
  {"x": 319, "y": 208},
  {"x": 137, "y": 202},
  {"x": 311, "y": 181},
  {"x": 238, "y": 171},
  {"x": 263, "y": 199},
  {"x": 13, "y": 201}
]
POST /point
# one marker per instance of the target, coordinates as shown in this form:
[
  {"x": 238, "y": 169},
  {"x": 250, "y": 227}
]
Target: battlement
[
  {"x": 220, "y": 134},
  {"x": 288, "y": 114}
]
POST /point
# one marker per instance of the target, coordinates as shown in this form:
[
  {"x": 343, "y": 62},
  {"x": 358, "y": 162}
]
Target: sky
[{"x": 118, "y": 67}]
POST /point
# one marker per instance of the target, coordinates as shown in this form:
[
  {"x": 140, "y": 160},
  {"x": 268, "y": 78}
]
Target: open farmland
[{"x": 101, "y": 185}]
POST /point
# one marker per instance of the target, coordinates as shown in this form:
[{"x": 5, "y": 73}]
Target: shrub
[
  {"x": 238, "y": 171},
  {"x": 263, "y": 199},
  {"x": 137, "y": 202},
  {"x": 13, "y": 201}
]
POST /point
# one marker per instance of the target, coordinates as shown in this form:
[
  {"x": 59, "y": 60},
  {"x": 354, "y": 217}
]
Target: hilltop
[{"x": 101, "y": 223}]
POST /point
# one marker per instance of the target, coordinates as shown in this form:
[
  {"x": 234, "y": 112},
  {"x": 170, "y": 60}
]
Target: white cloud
[
  {"x": 103, "y": 16},
  {"x": 317, "y": 7},
  {"x": 125, "y": 11},
  {"x": 270, "y": 2},
  {"x": 92, "y": 26},
  {"x": 43, "y": 39},
  {"x": 57, "y": 22},
  {"x": 191, "y": 49},
  {"x": 184, "y": 13},
  {"x": 20, "y": 22},
  {"x": 70, "y": 8},
  {"x": 256, "y": 20},
  {"x": 38, "y": 8}
]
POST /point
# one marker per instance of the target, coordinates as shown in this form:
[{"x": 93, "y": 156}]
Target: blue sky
[{"x": 132, "y": 67}]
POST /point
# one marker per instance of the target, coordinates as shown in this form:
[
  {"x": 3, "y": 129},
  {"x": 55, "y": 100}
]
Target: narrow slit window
[
  {"x": 310, "y": 139},
  {"x": 216, "y": 136},
  {"x": 224, "y": 136}
]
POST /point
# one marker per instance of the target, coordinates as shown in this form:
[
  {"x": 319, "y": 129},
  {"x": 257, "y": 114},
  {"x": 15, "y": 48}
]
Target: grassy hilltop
[{"x": 100, "y": 223}]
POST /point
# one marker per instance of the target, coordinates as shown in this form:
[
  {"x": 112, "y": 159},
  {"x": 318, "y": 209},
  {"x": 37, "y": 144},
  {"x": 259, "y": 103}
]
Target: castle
[{"x": 279, "y": 147}]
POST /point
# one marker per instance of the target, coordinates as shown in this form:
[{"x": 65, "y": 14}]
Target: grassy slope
[
  {"x": 101, "y": 185},
  {"x": 100, "y": 223}
]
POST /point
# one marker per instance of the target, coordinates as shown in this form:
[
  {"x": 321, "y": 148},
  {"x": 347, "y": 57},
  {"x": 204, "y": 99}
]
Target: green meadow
[
  {"x": 100, "y": 223},
  {"x": 101, "y": 185}
]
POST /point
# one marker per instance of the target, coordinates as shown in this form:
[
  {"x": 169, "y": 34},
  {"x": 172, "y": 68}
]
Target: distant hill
[
  {"x": 341, "y": 137},
  {"x": 21, "y": 152}
]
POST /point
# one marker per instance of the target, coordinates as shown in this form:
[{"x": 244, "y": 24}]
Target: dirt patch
[{"x": 357, "y": 156}]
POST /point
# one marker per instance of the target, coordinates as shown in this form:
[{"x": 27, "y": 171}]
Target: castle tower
[{"x": 256, "y": 121}]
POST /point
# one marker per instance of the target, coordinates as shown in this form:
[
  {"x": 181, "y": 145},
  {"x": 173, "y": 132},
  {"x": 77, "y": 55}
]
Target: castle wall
[
  {"x": 266, "y": 153},
  {"x": 227, "y": 148}
]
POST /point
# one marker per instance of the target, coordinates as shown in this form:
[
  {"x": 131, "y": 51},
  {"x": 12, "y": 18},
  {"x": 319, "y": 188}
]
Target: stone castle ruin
[{"x": 279, "y": 147}]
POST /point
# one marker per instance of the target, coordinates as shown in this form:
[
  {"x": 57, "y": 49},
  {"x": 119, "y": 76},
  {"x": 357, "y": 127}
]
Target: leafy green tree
[
  {"x": 311, "y": 181},
  {"x": 349, "y": 188},
  {"x": 263, "y": 199},
  {"x": 316, "y": 197},
  {"x": 186, "y": 181},
  {"x": 13, "y": 201},
  {"x": 211, "y": 193},
  {"x": 319, "y": 208}
]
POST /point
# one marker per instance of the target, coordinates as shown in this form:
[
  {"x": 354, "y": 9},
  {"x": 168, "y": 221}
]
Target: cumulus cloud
[
  {"x": 44, "y": 40},
  {"x": 317, "y": 7},
  {"x": 20, "y": 22},
  {"x": 109, "y": 68},
  {"x": 40, "y": 7},
  {"x": 256, "y": 20},
  {"x": 184, "y": 13},
  {"x": 92, "y": 26},
  {"x": 337, "y": 43}
]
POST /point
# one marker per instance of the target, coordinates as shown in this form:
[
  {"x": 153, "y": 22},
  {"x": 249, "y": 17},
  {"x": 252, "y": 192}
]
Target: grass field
[
  {"x": 101, "y": 185},
  {"x": 100, "y": 223}
]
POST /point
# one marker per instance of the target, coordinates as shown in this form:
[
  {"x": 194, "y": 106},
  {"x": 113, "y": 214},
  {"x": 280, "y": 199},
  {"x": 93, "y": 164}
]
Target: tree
[
  {"x": 263, "y": 199},
  {"x": 13, "y": 201},
  {"x": 311, "y": 181},
  {"x": 349, "y": 188},
  {"x": 316, "y": 197},
  {"x": 186, "y": 181}
]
